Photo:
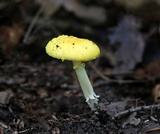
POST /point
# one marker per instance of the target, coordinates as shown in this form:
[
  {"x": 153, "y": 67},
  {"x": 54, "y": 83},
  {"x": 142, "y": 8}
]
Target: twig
[
  {"x": 131, "y": 110},
  {"x": 32, "y": 24},
  {"x": 111, "y": 80},
  {"x": 25, "y": 131},
  {"x": 99, "y": 72},
  {"x": 153, "y": 130}
]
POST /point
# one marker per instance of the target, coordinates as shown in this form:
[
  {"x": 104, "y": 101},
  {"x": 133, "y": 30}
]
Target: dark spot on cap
[
  {"x": 57, "y": 46},
  {"x": 73, "y": 44}
]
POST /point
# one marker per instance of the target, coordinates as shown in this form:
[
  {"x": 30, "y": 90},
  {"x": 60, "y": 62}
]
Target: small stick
[
  {"x": 25, "y": 131},
  {"x": 107, "y": 79},
  {"x": 131, "y": 110},
  {"x": 32, "y": 24}
]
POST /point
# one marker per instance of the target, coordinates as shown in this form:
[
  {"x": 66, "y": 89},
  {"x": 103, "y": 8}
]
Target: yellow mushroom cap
[{"x": 72, "y": 48}]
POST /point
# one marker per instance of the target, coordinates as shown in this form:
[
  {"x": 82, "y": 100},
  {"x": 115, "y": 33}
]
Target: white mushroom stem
[{"x": 89, "y": 94}]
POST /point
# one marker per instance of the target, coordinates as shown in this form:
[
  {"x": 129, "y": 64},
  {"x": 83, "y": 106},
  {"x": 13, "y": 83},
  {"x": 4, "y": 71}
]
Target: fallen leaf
[
  {"x": 150, "y": 71},
  {"x": 93, "y": 13},
  {"x": 130, "y": 44},
  {"x": 131, "y": 120},
  {"x": 10, "y": 36},
  {"x": 96, "y": 14},
  {"x": 115, "y": 107},
  {"x": 156, "y": 93}
]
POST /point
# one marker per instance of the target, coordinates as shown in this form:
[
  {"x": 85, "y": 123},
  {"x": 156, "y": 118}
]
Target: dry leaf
[
  {"x": 131, "y": 120},
  {"x": 151, "y": 71},
  {"x": 10, "y": 36},
  {"x": 156, "y": 93},
  {"x": 130, "y": 44},
  {"x": 96, "y": 14},
  {"x": 116, "y": 107}
]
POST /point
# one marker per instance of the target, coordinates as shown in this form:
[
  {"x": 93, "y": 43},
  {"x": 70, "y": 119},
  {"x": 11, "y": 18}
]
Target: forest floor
[{"x": 41, "y": 95}]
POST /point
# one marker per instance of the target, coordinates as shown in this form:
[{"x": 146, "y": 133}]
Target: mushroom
[{"x": 78, "y": 51}]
